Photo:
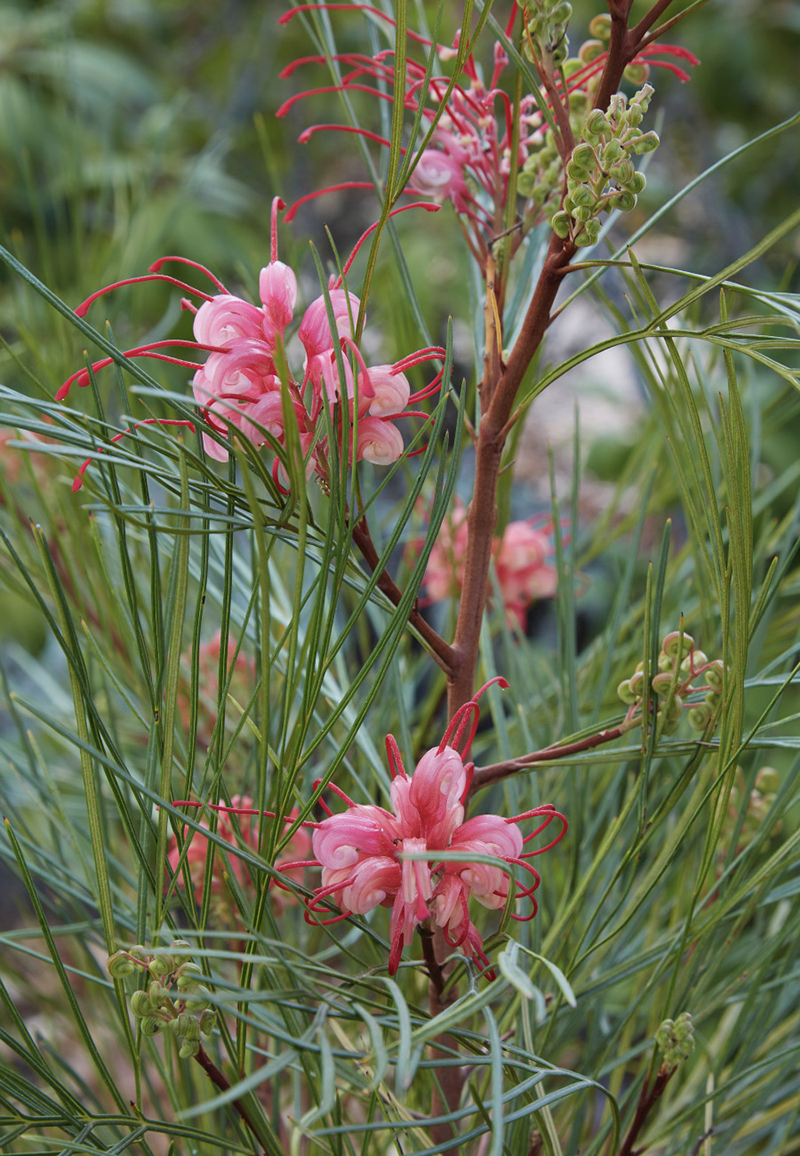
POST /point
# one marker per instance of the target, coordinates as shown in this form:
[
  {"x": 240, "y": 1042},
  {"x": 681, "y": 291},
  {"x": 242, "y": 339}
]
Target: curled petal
[
  {"x": 390, "y": 391},
  {"x": 379, "y": 441},
  {"x": 341, "y": 840},
  {"x": 226, "y": 318}
]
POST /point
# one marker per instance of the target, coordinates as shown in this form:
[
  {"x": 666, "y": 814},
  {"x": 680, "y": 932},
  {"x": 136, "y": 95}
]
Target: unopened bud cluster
[
  {"x": 675, "y": 1041},
  {"x": 683, "y": 670},
  {"x": 759, "y": 803},
  {"x": 540, "y": 179},
  {"x": 546, "y": 37},
  {"x": 174, "y": 999},
  {"x": 601, "y": 174}
]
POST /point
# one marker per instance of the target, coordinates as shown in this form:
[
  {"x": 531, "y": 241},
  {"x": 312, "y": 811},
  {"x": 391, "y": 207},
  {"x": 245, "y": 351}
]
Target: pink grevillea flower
[
  {"x": 468, "y": 158},
  {"x": 247, "y": 839},
  {"x": 365, "y": 851},
  {"x": 238, "y": 386},
  {"x": 521, "y": 555},
  {"x": 239, "y": 674}
]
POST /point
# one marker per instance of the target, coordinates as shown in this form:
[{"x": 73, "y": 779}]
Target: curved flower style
[
  {"x": 239, "y": 385},
  {"x": 365, "y": 852},
  {"x": 468, "y": 159},
  {"x": 197, "y": 853},
  {"x": 520, "y": 559}
]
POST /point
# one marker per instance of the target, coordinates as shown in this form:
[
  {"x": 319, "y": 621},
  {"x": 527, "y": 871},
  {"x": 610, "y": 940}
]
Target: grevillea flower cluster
[
  {"x": 470, "y": 158},
  {"x": 524, "y": 574},
  {"x": 373, "y": 857},
  {"x": 196, "y": 853},
  {"x": 239, "y": 386}
]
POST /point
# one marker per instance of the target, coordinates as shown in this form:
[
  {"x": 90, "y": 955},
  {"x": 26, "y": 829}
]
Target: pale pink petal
[
  {"x": 379, "y": 441},
  {"x": 277, "y": 286}
]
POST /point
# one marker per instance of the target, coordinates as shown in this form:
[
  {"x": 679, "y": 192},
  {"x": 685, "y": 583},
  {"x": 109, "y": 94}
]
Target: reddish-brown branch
[
  {"x": 500, "y": 385},
  {"x": 498, "y": 391},
  {"x": 219, "y": 1081},
  {"x": 442, "y": 652},
  {"x": 648, "y": 1097},
  {"x": 495, "y": 772},
  {"x": 450, "y": 1077}
]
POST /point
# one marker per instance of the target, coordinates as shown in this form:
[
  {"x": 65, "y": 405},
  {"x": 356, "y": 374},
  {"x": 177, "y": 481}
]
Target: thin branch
[
  {"x": 495, "y": 772},
  {"x": 219, "y": 1081},
  {"x": 648, "y": 1097},
  {"x": 441, "y": 651},
  {"x": 648, "y": 20}
]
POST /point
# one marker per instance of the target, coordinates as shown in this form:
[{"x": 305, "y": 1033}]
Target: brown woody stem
[
  {"x": 648, "y": 1097},
  {"x": 441, "y": 651},
  {"x": 219, "y": 1081},
  {"x": 495, "y": 772}
]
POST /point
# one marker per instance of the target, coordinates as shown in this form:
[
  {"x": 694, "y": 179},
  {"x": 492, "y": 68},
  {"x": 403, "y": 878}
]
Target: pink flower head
[
  {"x": 239, "y": 391},
  {"x": 239, "y": 671},
  {"x": 197, "y": 852},
  {"x": 365, "y": 851},
  {"x": 523, "y": 571}
]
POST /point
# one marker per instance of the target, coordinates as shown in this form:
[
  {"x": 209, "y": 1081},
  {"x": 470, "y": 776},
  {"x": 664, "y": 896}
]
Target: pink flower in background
[
  {"x": 523, "y": 571},
  {"x": 197, "y": 852},
  {"x": 239, "y": 387},
  {"x": 242, "y": 678},
  {"x": 362, "y": 851}
]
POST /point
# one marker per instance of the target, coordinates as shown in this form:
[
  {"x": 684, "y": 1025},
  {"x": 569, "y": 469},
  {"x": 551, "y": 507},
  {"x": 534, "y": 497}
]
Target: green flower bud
[
  {"x": 572, "y": 65},
  {"x": 637, "y": 73},
  {"x": 625, "y": 693},
  {"x": 119, "y": 965},
  {"x": 152, "y": 1025},
  {"x": 582, "y": 195},
  {"x": 696, "y": 659},
  {"x": 625, "y": 201},
  {"x": 199, "y": 999},
  {"x": 600, "y": 26},
  {"x": 672, "y": 644},
  {"x": 189, "y": 1049},
  {"x": 670, "y": 725},
  {"x": 590, "y": 50},
  {"x": 597, "y": 124},
  {"x": 665, "y": 662},
  {"x": 585, "y": 237},
  {"x": 157, "y": 993},
  {"x": 582, "y": 213},
  {"x": 712, "y": 698},
  {"x": 662, "y": 684},
  {"x": 642, "y": 97},
  {"x": 559, "y": 53},
  {"x": 207, "y": 1021},
  {"x": 636, "y": 184},
  {"x": 160, "y": 965},
  {"x": 612, "y": 153},
  {"x": 646, "y": 143},
  {"x": 560, "y": 224},
  {"x": 636, "y": 683},
  {"x": 140, "y": 1003},
  {"x": 622, "y": 172},
  {"x": 699, "y": 716},
  {"x": 768, "y": 780},
  {"x": 582, "y": 160},
  {"x": 561, "y": 14},
  {"x": 713, "y": 675}
]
